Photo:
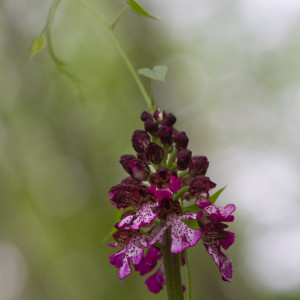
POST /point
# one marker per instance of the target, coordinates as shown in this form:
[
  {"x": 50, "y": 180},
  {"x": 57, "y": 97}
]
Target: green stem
[
  {"x": 125, "y": 58},
  {"x": 189, "y": 289},
  {"x": 151, "y": 90},
  {"x": 171, "y": 158},
  {"x": 180, "y": 192},
  {"x": 172, "y": 270},
  {"x": 119, "y": 16},
  {"x": 132, "y": 71}
]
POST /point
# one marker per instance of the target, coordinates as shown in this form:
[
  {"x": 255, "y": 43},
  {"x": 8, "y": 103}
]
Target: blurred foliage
[{"x": 59, "y": 155}]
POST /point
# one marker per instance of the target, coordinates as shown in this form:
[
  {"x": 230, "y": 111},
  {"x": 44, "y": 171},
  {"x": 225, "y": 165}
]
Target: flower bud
[
  {"x": 181, "y": 140},
  {"x": 169, "y": 120},
  {"x": 145, "y": 115},
  {"x": 159, "y": 115},
  {"x": 140, "y": 140},
  {"x": 201, "y": 184},
  {"x": 198, "y": 165},
  {"x": 138, "y": 169},
  {"x": 183, "y": 159},
  {"x": 165, "y": 134},
  {"x": 151, "y": 126},
  {"x": 154, "y": 153},
  {"x": 161, "y": 178}
]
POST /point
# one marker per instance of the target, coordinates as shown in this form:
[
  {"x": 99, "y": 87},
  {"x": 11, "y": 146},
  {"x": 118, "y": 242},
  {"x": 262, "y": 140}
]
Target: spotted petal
[{"x": 143, "y": 217}]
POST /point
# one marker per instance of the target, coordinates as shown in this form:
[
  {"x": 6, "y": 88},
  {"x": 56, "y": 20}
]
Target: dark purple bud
[
  {"x": 151, "y": 126},
  {"x": 130, "y": 181},
  {"x": 181, "y": 140},
  {"x": 126, "y": 194},
  {"x": 140, "y": 140},
  {"x": 161, "y": 178},
  {"x": 201, "y": 184},
  {"x": 138, "y": 169},
  {"x": 198, "y": 165},
  {"x": 125, "y": 161},
  {"x": 145, "y": 115},
  {"x": 169, "y": 120},
  {"x": 183, "y": 159},
  {"x": 154, "y": 153},
  {"x": 159, "y": 115},
  {"x": 165, "y": 134}
]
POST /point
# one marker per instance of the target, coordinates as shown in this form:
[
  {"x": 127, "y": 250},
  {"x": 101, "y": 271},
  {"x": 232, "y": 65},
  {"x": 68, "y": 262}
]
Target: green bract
[
  {"x": 135, "y": 6},
  {"x": 37, "y": 45},
  {"x": 157, "y": 73}
]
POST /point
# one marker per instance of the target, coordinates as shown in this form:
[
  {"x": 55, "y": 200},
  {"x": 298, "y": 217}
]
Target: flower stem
[
  {"x": 172, "y": 270},
  {"x": 188, "y": 274}
]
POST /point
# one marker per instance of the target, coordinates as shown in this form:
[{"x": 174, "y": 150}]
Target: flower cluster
[{"x": 166, "y": 188}]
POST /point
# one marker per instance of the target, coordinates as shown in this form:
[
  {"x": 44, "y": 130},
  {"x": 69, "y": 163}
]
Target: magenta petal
[
  {"x": 202, "y": 201},
  {"x": 220, "y": 214},
  {"x": 125, "y": 269},
  {"x": 117, "y": 258},
  {"x": 156, "y": 281},
  {"x": 130, "y": 252},
  {"x": 152, "y": 189},
  {"x": 182, "y": 235},
  {"x": 158, "y": 236},
  {"x": 228, "y": 241},
  {"x": 149, "y": 261},
  {"x": 175, "y": 184},
  {"x": 143, "y": 217},
  {"x": 225, "y": 266},
  {"x": 163, "y": 193}
]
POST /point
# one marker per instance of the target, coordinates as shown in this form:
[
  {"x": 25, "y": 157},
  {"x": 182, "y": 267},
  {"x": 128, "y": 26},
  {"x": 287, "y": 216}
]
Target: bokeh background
[{"x": 234, "y": 85}]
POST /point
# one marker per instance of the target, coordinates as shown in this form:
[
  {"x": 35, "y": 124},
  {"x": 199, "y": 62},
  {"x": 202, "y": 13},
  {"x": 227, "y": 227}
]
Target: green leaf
[
  {"x": 157, "y": 73},
  {"x": 136, "y": 7},
  {"x": 37, "y": 45},
  {"x": 216, "y": 195},
  {"x": 192, "y": 223},
  {"x": 117, "y": 219}
]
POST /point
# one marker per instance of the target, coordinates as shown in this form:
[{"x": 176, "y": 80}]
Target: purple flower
[
  {"x": 131, "y": 251},
  {"x": 167, "y": 192},
  {"x": 156, "y": 281},
  {"x": 214, "y": 237},
  {"x": 143, "y": 217},
  {"x": 219, "y": 213},
  {"x": 149, "y": 261},
  {"x": 182, "y": 236}
]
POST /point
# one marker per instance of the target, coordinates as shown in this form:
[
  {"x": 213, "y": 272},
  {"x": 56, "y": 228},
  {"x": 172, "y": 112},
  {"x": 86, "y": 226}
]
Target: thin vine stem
[
  {"x": 124, "y": 56},
  {"x": 121, "y": 13}
]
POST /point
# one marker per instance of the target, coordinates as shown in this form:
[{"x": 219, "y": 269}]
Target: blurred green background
[{"x": 234, "y": 85}]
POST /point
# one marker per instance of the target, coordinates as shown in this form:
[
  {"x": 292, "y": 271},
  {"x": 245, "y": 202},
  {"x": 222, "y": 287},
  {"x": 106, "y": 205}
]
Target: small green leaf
[
  {"x": 136, "y": 7},
  {"x": 216, "y": 195},
  {"x": 192, "y": 223},
  {"x": 117, "y": 219},
  {"x": 37, "y": 45},
  {"x": 157, "y": 73}
]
